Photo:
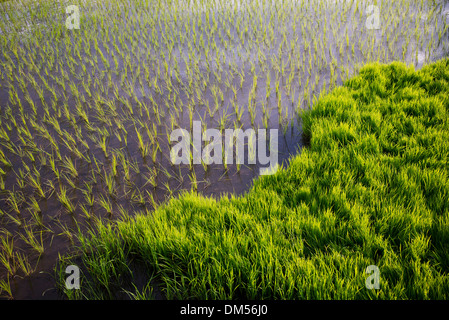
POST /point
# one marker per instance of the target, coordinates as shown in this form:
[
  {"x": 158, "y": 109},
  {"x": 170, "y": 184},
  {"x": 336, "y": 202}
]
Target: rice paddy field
[{"x": 359, "y": 96}]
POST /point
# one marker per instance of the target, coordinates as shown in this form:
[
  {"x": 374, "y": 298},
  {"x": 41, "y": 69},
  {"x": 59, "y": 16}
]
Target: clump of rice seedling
[
  {"x": 30, "y": 239},
  {"x": 65, "y": 200},
  {"x": 105, "y": 204},
  {"x": 5, "y": 288}
]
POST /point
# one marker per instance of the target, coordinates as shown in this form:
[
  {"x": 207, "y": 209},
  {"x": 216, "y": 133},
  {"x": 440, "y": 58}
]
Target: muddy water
[{"x": 280, "y": 46}]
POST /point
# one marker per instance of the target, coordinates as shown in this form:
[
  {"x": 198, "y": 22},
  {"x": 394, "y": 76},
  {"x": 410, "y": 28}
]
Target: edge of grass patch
[{"x": 371, "y": 189}]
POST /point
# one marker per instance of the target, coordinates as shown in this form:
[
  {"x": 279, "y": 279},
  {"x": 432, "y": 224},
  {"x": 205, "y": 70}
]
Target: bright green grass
[{"x": 371, "y": 189}]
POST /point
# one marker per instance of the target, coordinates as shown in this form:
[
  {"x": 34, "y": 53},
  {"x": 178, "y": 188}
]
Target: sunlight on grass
[{"x": 372, "y": 189}]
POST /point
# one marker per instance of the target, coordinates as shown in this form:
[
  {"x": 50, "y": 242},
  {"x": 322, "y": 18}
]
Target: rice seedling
[
  {"x": 66, "y": 232},
  {"x": 65, "y": 200},
  {"x": 7, "y": 264},
  {"x": 105, "y": 204},
  {"x": 15, "y": 200},
  {"x": 110, "y": 184},
  {"x": 89, "y": 196},
  {"x": 193, "y": 180},
  {"x": 7, "y": 254},
  {"x": 36, "y": 244},
  {"x": 138, "y": 198},
  {"x": 5, "y": 288},
  {"x": 35, "y": 182},
  {"x": 87, "y": 212}
]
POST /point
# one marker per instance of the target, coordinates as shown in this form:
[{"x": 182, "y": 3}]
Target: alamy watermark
[
  {"x": 218, "y": 151},
  {"x": 373, "y": 281},
  {"x": 73, "y": 20},
  {"x": 372, "y": 22},
  {"x": 373, "y": 19},
  {"x": 73, "y": 280}
]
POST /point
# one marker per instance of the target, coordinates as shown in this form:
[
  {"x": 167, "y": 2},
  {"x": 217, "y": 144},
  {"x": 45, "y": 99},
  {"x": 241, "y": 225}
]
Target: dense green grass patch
[{"x": 371, "y": 189}]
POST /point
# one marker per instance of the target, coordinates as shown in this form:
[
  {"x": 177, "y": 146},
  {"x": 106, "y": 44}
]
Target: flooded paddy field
[{"x": 86, "y": 113}]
